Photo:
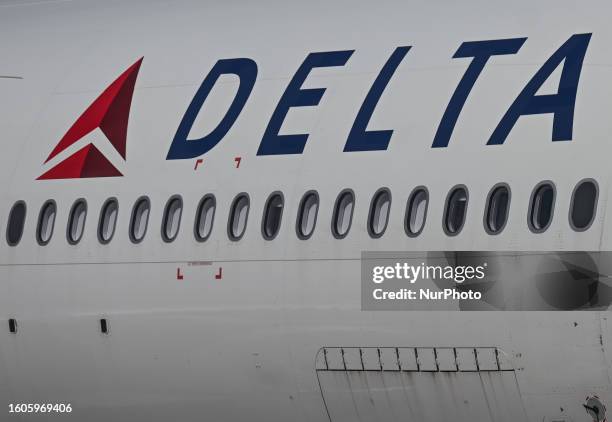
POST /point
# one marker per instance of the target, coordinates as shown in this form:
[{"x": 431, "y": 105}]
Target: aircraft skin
[{"x": 245, "y": 346}]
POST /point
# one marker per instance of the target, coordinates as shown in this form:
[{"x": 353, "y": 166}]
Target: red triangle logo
[{"x": 110, "y": 112}]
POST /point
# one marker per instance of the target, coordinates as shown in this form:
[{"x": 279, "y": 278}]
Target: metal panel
[
  {"x": 352, "y": 358},
  {"x": 321, "y": 362},
  {"x": 447, "y": 360},
  {"x": 505, "y": 364},
  {"x": 426, "y": 359},
  {"x": 400, "y": 391},
  {"x": 389, "y": 359},
  {"x": 466, "y": 359},
  {"x": 333, "y": 357},
  {"x": 407, "y": 359},
  {"x": 371, "y": 359},
  {"x": 386, "y": 396},
  {"x": 419, "y": 359},
  {"x": 487, "y": 359}
]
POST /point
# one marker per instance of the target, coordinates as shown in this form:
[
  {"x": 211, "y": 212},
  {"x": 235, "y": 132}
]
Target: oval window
[
  {"x": 16, "y": 222},
  {"x": 76, "y": 221},
  {"x": 455, "y": 211},
  {"x": 541, "y": 207},
  {"x": 46, "y": 222},
  {"x": 273, "y": 214},
  {"x": 140, "y": 219},
  {"x": 108, "y": 220},
  {"x": 172, "y": 218},
  {"x": 416, "y": 212},
  {"x": 239, "y": 214},
  {"x": 343, "y": 214},
  {"x": 498, "y": 205},
  {"x": 307, "y": 215},
  {"x": 584, "y": 205},
  {"x": 205, "y": 218},
  {"x": 379, "y": 213}
]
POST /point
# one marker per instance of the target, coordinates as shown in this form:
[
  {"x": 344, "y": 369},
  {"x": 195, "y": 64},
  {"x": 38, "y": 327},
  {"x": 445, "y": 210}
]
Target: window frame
[
  {"x": 75, "y": 204},
  {"x": 132, "y": 217},
  {"x": 346, "y": 191},
  {"x": 300, "y": 213},
  {"x": 537, "y": 187},
  {"x": 449, "y": 195},
  {"x": 196, "y": 232},
  {"x": 485, "y": 218},
  {"x": 379, "y": 192},
  {"x": 10, "y": 217},
  {"x": 48, "y": 202},
  {"x": 265, "y": 215},
  {"x": 230, "y": 218},
  {"x": 595, "y": 204},
  {"x": 164, "y": 222},
  {"x": 105, "y": 204},
  {"x": 407, "y": 213}
]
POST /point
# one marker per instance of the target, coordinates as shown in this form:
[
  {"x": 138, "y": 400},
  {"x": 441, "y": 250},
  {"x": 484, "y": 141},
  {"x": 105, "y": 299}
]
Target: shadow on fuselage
[{"x": 533, "y": 280}]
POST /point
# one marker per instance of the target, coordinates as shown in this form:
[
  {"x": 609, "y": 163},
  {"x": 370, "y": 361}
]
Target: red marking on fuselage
[
  {"x": 110, "y": 113},
  {"x": 86, "y": 162}
]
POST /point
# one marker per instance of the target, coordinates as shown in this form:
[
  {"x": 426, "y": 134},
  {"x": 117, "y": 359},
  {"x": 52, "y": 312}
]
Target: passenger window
[
  {"x": 238, "y": 217},
  {"x": 140, "y": 220},
  {"x": 205, "y": 218},
  {"x": 108, "y": 220},
  {"x": 584, "y": 205},
  {"x": 416, "y": 212},
  {"x": 542, "y": 206},
  {"x": 343, "y": 214},
  {"x": 16, "y": 222},
  {"x": 307, "y": 215},
  {"x": 46, "y": 223},
  {"x": 172, "y": 218},
  {"x": 379, "y": 213},
  {"x": 455, "y": 211},
  {"x": 76, "y": 221},
  {"x": 498, "y": 205},
  {"x": 273, "y": 213}
]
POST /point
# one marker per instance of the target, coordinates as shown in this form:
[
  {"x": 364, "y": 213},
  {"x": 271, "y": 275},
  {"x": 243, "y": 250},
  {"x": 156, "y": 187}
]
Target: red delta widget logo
[{"x": 110, "y": 113}]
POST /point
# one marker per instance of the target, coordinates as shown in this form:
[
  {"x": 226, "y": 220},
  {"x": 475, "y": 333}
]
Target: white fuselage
[{"x": 243, "y": 347}]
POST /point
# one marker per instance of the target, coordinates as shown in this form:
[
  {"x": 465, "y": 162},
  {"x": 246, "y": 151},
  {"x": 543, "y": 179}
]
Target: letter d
[{"x": 183, "y": 148}]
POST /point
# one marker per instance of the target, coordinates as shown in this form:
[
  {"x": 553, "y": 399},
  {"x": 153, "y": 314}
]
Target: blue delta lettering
[{"x": 560, "y": 104}]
